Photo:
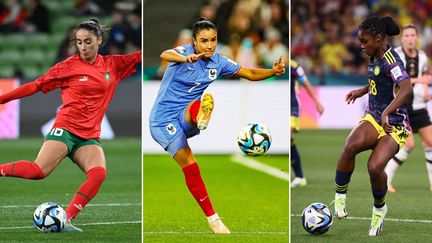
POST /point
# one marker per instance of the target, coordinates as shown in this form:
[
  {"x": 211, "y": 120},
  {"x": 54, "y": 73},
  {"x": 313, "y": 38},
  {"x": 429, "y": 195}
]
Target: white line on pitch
[
  {"x": 89, "y": 205},
  {"x": 251, "y": 163},
  {"x": 85, "y": 224},
  {"x": 211, "y": 233},
  {"x": 386, "y": 219}
]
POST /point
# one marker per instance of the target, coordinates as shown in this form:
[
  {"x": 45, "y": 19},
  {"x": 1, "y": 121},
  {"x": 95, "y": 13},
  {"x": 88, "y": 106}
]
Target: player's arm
[
  {"x": 401, "y": 98},
  {"x": 173, "y": 56},
  {"x": 256, "y": 74},
  {"x": 20, "y": 92},
  {"x": 357, "y": 93},
  {"x": 311, "y": 93}
]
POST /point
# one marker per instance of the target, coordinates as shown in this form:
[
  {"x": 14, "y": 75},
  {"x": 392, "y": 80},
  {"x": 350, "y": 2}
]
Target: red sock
[
  {"x": 86, "y": 192},
  {"x": 22, "y": 169},
  {"x": 193, "y": 110},
  {"x": 196, "y": 186}
]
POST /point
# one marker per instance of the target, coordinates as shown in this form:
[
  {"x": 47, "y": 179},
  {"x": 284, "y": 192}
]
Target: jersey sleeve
[
  {"x": 182, "y": 50},
  {"x": 125, "y": 65},
  {"x": 54, "y": 78},
  {"x": 301, "y": 75},
  {"x": 228, "y": 66},
  {"x": 397, "y": 71}
]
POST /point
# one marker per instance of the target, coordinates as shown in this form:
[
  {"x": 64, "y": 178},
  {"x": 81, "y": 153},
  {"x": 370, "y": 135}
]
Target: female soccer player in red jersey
[
  {"x": 385, "y": 126},
  {"x": 88, "y": 82},
  {"x": 178, "y": 112}
]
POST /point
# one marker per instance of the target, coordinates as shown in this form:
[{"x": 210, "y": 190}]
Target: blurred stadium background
[
  {"x": 253, "y": 33},
  {"x": 324, "y": 41},
  {"x": 34, "y": 36}
]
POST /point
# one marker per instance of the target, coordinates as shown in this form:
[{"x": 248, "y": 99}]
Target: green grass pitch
[
  {"x": 253, "y": 205},
  {"x": 114, "y": 215},
  {"x": 320, "y": 150}
]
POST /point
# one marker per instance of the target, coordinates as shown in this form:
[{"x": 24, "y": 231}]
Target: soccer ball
[
  {"x": 317, "y": 218},
  {"x": 49, "y": 217},
  {"x": 254, "y": 139}
]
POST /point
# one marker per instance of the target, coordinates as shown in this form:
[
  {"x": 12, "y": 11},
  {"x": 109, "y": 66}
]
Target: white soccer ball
[
  {"x": 317, "y": 218},
  {"x": 49, "y": 217},
  {"x": 254, "y": 139}
]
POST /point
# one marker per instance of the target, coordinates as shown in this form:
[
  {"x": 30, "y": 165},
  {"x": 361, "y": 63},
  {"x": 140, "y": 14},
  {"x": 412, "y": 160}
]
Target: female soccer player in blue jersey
[
  {"x": 178, "y": 113},
  {"x": 385, "y": 126},
  {"x": 298, "y": 76}
]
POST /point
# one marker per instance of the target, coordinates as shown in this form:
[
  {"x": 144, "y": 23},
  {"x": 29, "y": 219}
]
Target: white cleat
[
  {"x": 218, "y": 226},
  {"x": 377, "y": 222},
  {"x": 340, "y": 206},
  {"x": 298, "y": 182},
  {"x": 70, "y": 228}
]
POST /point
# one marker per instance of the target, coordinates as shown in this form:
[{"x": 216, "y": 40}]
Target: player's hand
[
  {"x": 385, "y": 123},
  {"x": 320, "y": 108},
  {"x": 353, "y": 95},
  {"x": 194, "y": 57},
  {"x": 278, "y": 67}
]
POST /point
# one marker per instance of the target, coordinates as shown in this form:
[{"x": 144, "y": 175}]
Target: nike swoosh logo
[
  {"x": 189, "y": 68},
  {"x": 203, "y": 199}
]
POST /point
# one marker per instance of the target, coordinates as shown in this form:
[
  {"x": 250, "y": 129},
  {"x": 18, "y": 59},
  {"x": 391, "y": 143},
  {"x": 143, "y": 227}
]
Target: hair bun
[
  {"x": 391, "y": 27},
  {"x": 202, "y": 19}
]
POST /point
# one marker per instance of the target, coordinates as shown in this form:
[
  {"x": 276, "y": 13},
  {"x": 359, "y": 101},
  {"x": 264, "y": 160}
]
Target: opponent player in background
[
  {"x": 298, "y": 76},
  {"x": 416, "y": 65},
  {"x": 178, "y": 113},
  {"x": 88, "y": 82},
  {"x": 385, "y": 126}
]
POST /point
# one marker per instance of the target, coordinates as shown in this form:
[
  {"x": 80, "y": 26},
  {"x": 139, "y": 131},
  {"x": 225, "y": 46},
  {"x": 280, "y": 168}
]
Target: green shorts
[{"x": 72, "y": 141}]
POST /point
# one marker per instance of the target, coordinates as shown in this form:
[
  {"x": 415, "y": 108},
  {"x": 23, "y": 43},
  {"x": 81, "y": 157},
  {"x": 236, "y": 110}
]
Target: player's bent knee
[
  {"x": 374, "y": 170},
  {"x": 97, "y": 174},
  {"x": 350, "y": 149}
]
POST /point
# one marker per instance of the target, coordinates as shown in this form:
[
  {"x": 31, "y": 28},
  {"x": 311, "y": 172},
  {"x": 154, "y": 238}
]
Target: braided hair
[{"x": 375, "y": 25}]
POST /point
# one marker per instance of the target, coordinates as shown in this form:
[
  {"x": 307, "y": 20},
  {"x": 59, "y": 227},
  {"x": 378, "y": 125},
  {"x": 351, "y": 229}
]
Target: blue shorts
[{"x": 173, "y": 135}]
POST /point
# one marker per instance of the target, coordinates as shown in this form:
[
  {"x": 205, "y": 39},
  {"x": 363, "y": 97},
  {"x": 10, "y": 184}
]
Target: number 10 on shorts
[{"x": 58, "y": 132}]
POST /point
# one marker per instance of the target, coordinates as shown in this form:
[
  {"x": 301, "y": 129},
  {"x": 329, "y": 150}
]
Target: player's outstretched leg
[
  {"x": 205, "y": 111},
  {"x": 22, "y": 169},
  {"x": 85, "y": 193},
  {"x": 198, "y": 190}
]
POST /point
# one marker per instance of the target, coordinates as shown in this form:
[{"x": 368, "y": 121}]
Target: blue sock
[
  {"x": 342, "y": 179},
  {"x": 296, "y": 161},
  {"x": 379, "y": 197}
]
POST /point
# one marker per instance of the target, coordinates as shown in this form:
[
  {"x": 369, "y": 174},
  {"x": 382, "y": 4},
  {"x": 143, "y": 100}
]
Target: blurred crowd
[
  {"x": 254, "y": 33},
  {"x": 34, "y": 16},
  {"x": 324, "y": 33}
]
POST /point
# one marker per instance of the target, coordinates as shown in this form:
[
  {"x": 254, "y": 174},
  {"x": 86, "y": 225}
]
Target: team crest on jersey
[
  {"x": 171, "y": 129},
  {"x": 377, "y": 70},
  {"x": 212, "y": 74},
  {"x": 107, "y": 76}
]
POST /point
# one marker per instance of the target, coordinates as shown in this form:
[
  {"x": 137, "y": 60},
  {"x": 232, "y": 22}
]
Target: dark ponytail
[
  {"x": 375, "y": 25},
  {"x": 202, "y": 24}
]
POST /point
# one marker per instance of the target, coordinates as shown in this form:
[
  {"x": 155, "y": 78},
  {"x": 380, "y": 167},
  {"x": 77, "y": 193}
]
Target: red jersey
[{"x": 86, "y": 89}]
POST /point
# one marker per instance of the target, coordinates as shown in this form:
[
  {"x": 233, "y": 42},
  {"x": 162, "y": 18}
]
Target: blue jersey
[
  {"x": 184, "y": 82},
  {"x": 384, "y": 77},
  {"x": 297, "y": 76}
]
